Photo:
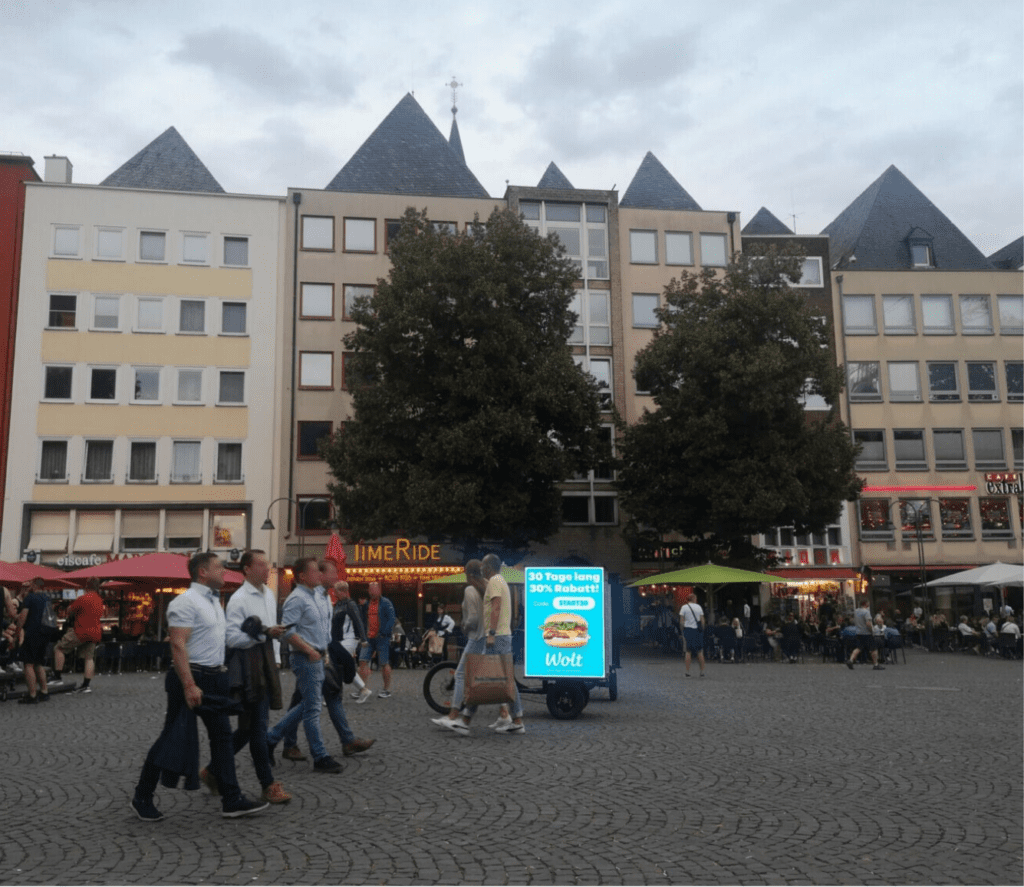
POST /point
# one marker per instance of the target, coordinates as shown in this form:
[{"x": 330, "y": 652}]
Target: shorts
[
  {"x": 33, "y": 650},
  {"x": 383, "y": 647},
  {"x": 866, "y": 642},
  {"x": 71, "y": 642},
  {"x": 694, "y": 640}
]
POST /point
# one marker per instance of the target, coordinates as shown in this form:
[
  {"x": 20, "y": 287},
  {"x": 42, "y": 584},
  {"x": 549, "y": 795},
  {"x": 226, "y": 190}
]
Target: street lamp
[
  {"x": 269, "y": 525},
  {"x": 917, "y": 508}
]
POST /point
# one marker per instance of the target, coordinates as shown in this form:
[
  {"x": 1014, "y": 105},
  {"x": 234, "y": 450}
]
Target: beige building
[{"x": 145, "y": 381}]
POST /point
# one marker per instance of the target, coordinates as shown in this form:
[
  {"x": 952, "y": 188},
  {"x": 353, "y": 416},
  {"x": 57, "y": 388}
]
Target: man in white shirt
[{"x": 692, "y": 615}]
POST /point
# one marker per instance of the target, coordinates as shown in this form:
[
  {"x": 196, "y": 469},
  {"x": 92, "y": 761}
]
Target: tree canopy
[
  {"x": 468, "y": 408},
  {"x": 729, "y": 450}
]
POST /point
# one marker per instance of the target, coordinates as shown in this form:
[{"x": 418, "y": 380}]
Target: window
[
  {"x": 446, "y": 227},
  {"x": 529, "y": 210},
  {"x": 139, "y": 530},
  {"x": 975, "y": 315},
  {"x": 310, "y": 435},
  {"x": 147, "y": 385},
  {"x": 643, "y": 247},
  {"x": 874, "y": 520},
  {"x": 183, "y": 530},
  {"x": 149, "y": 315},
  {"x": 596, "y": 509},
  {"x": 678, "y": 248},
  {"x": 192, "y": 316},
  {"x": 231, "y": 389},
  {"x": 53, "y": 461},
  {"x": 949, "y": 449},
  {"x": 810, "y": 272},
  {"x": 57, "y": 382},
  {"x": 152, "y": 246},
  {"x": 316, "y": 369},
  {"x": 644, "y": 306},
  {"x": 1017, "y": 442},
  {"x": 593, "y": 317},
  {"x": 639, "y": 388},
  {"x": 943, "y": 384},
  {"x": 190, "y": 386},
  {"x": 712, "y": 250},
  {"x": 142, "y": 462},
  {"x": 185, "y": 465},
  {"x": 859, "y": 315},
  {"x": 106, "y": 312},
  {"x": 194, "y": 249},
  {"x": 988, "y": 448},
  {"x": 391, "y": 229},
  {"x": 904, "y": 381},
  {"x": 314, "y": 514},
  {"x": 352, "y": 292},
  {"x": 898, "y": 315},
  {"x": 109, "y": 243},
  {"x": 232, "y": 319},
  {"x": 99, "y": 461},
  {"x": 872, "y": 450},
  {"x": 103, "y": 383},
  {"x": 995, "y": 519},
  {"x": 316, "y": 301},
  {"x": 908, "y": 449},
  {"x": 1014, "y": 380},
  {"x": 597, "y": 244},
  {"x": 236, "y": 251},
  {"x": 981, "y": 382},
  {"x": 229, "y": 463},
  {"x": 62, "y": 312},
  {"x": 956, "y": 518},
  {"x": 318, "y": 232},
  {"x": 863, "y": 380},
  {"x": 601, "y": 370},
  {"x": 65, "y": 241},
  {"x": 916, "y": 513},
  {"x": 1011, "y": 315},
  {"x": 920, "y": 255},
  {"x": 360, "y": 236},
  {"x": 937, "y": 315}
]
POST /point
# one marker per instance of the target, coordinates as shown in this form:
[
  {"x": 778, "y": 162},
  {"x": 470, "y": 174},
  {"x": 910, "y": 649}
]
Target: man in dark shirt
[{"x": 33, "y": 647}]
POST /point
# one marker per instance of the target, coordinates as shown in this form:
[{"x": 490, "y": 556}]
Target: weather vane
[{"x": 454, "y": 85}]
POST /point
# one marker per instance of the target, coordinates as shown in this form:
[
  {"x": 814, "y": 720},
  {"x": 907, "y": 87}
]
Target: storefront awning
[
  {"x": 48, "y": 542},
  {"x": 98, "y": 542},
  {"x": 809, "y": 573}
]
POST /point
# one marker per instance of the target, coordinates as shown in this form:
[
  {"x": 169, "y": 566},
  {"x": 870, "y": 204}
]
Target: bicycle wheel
[{"x": 438, "y": 686}]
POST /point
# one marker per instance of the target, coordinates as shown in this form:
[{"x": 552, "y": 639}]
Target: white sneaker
[
  {"x": 57, "y": 682},
  {"x": 456, "y": 726},
  {"x": 501, "y": 722},
  {"x": 363, "y": 695},
  {"x": 511, "y": 727},
  {"x": 356, "y": 694}
]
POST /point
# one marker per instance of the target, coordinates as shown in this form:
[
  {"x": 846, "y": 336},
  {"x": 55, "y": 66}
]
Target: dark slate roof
[
  {"x": 654, "y": 188},
  {"x": 878, "y": 225},
  {"x": 1010, "y": 256},
  {"x": 764, "y": 223},
  {"x": 407, "y": 154},
  {"x": 166, "y": 164},
  {"x": 553, "y": 178},
  {"x": 455, "y": 140}
]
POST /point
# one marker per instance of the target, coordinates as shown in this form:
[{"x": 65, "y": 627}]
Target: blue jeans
[
  {"x": 502, "y": 644},
  {"x": 472, "y": 646},
  {"x": 335, "y": 709},
  {"x": 309, "y": 680}
]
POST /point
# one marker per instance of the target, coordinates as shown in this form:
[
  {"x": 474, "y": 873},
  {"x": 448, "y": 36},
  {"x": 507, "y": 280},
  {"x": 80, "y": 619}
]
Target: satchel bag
[
  {"x": 48, "y": 625},
  {"x": 489, "y": 679}
]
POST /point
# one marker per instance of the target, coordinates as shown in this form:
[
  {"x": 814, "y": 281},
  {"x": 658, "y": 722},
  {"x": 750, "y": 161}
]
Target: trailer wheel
[
  {"x": 566, "y": 699},
  {"x": 613, "y": 685}
]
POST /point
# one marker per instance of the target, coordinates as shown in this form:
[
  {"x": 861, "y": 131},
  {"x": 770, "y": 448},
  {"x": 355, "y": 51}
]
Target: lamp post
[
  {"x": 269, "y": 525},
  {"x": 916, "y": 507}
]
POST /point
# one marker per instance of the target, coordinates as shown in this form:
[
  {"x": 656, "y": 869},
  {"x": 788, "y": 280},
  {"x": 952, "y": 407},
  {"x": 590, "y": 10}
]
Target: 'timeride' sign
[{"x": 400, "y": 550}]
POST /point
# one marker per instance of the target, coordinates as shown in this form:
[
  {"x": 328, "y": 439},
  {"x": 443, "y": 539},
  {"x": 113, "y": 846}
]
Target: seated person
[{"x": 968, "y": 636}]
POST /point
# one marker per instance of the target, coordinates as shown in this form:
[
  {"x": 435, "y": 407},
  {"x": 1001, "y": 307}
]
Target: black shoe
[
  {"x": 44, "y": 697},
  {"x": 145, "y": 810},
  {"x": 243, "y": 807},
  {"x": 879, "y": 668},
  {"x": 849, "y": 665},
  {"x": 326, "y": 764},
  {"x": 28, "y": 700}
]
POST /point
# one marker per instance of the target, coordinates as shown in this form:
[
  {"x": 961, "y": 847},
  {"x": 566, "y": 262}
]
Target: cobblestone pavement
[{"x": 759, "y": 773}]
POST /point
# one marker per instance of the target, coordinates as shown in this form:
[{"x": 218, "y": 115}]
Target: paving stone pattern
[{"x": 760, "y": 773}]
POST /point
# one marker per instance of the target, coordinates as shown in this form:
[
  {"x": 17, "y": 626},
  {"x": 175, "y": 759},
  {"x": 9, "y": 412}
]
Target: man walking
[
  {"x": 380, "y": 622},
  {"x": 347, "y": 629},
  {"x": 865, "y": 639},
  {"x": 197, "y": 627},
  {"x": 692, "y": 615},
  {"x": 31, "y": 607},
  {"x": 85, "y": 615}
]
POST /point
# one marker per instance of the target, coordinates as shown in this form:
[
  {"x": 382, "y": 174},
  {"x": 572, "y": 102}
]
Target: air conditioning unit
[{"x": 985, "y": 396}]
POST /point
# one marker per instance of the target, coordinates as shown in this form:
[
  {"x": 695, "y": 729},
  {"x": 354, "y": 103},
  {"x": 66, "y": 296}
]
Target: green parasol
[
  {"x": 512, "y": 576},
  {"x": 707, "y": 574}
]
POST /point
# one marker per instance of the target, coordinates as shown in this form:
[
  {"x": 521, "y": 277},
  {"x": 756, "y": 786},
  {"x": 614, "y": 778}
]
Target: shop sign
[
  {"x": 82, "y": 560},
  {"x": 1005, "y": 482},
  {"x": 657, "y": 552},
  {"x": 566, "y": 610},
  {"x": 398, "y": 551}
]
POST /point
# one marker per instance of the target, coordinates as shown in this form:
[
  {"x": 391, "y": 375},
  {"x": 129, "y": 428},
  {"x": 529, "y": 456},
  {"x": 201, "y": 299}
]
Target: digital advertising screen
[{"x": 565, "y": 615}]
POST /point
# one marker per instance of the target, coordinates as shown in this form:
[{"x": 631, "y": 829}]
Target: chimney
[{"x": 57, "y": 169}]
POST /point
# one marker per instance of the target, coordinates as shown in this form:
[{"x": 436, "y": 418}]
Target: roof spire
[
  {"x": 454, "y": 139},
  {"x": 454, "y": 86}
]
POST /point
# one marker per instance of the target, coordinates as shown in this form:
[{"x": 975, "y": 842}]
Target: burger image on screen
[{"x": 565, "y": 630}]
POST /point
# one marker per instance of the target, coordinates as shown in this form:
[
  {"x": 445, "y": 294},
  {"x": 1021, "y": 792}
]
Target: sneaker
[
  {"x": 243, "y": 807},
  {"x": 457, "y": 726},
  {"x": 209, "y": 780},
  {"x": 849, "y": 665},
  {"x": 326, "y": 764},
  {"x": 384, "y": 694},
  {"x": 355, "y": 694},
  {"x": 356, "y": 746},
  {"x": 879, "y": 668},
  {"x": 511, "y": 727},
  {"x": 275, "y": 794},
  {"x": 56, "y": 682},
  {"x": 145, "y": 810},
  {"x": 293, "y": 754},
  {"x": 44, "y": 697},
  {"x": 85, "y": 690},
  {"x": 28, "y": 700},
  {"x": 501, "y": 722},
  {"x": 363, "y": 695}
]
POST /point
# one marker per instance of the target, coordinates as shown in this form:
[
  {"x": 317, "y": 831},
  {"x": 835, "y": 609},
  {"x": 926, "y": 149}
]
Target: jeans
[
  {"x": 335, "y": 709},
  {"x": 218, "y": 728},
  {"x": 472, "y": 646},
  {"x": 502, "y": 644}
]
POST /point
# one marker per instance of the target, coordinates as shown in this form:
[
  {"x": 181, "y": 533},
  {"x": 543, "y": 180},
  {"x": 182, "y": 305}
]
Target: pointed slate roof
[
  {"x": 407, "y": 154},
  {"x": 653, "y": 187},
  {"x": 166, "y": 164},
  {"x": 878, "y": 225},
  {"x": 764, "y": 223},
  {"x": 1010, "y": 257},
  {"x": 455, "y": 140},
  {"x": 554, "y": 178}
]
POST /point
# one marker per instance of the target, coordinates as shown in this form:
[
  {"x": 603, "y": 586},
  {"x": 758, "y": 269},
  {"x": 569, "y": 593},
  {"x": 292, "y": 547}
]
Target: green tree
[
  {"x": 729, "y": 450},
  {"x": 468, "y": 409}
]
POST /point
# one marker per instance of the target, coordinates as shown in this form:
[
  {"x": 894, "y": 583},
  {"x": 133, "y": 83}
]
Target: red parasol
[
  {"x": 336, "y": 552},
  {"x": 13, "y": 574},
  {"x": 160, "y": 568}
]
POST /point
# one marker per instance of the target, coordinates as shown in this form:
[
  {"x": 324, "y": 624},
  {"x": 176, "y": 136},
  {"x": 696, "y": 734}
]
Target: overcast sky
[{"x": 794, "y": 105}]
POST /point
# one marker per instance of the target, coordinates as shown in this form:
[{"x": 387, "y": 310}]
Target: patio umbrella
[
  {"x": 161, "y": 569},
  {"x": 706, "y": 574},
  {"x": 512, "y": 575},
  {"x": 997, "y": 574},
  {"x": 13, "y": 574}
]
